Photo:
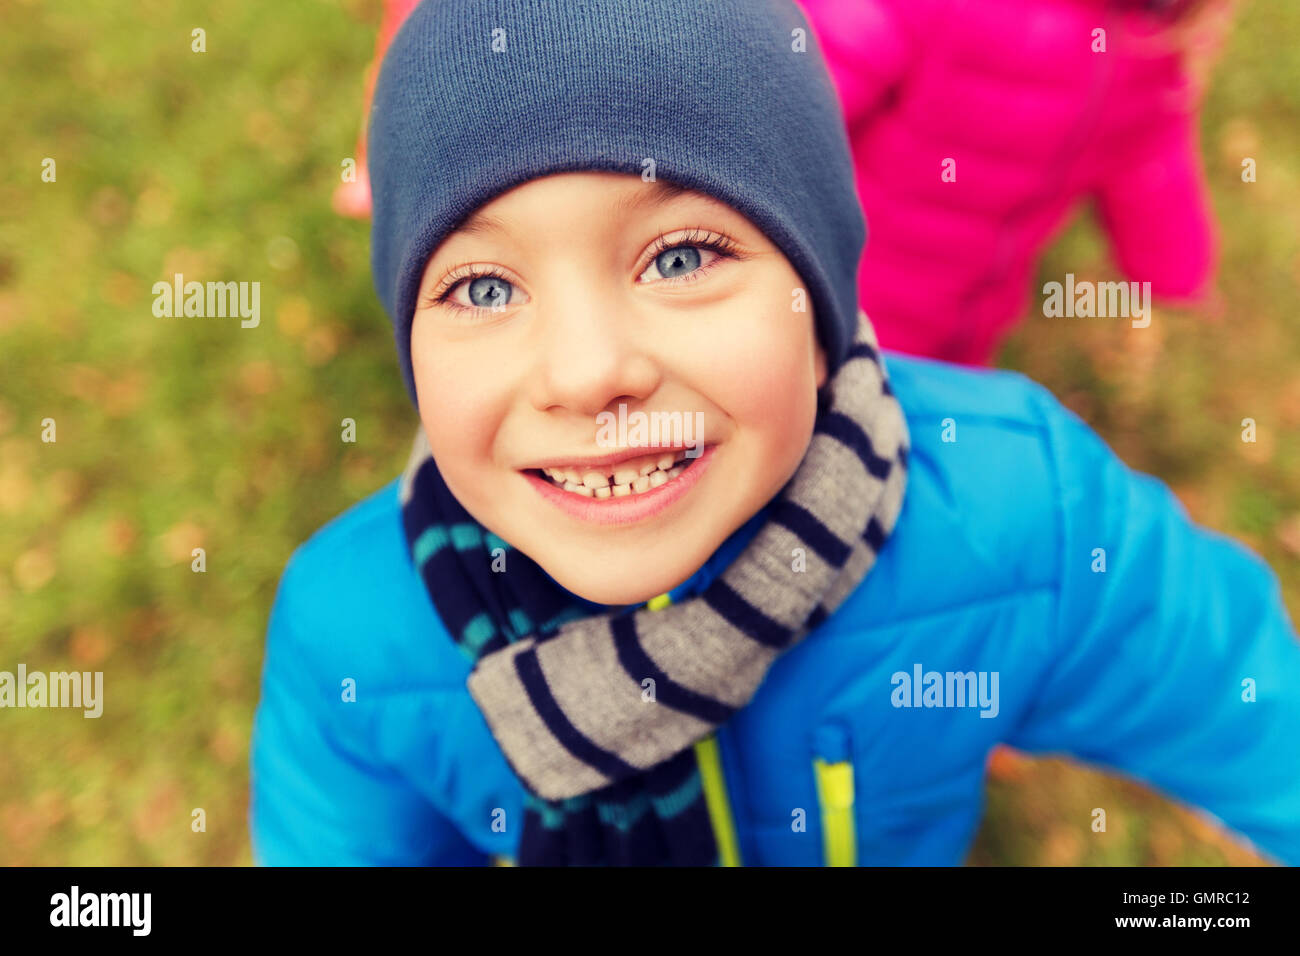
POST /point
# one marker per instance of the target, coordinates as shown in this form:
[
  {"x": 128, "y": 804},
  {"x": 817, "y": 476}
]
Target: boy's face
[{"x": 575, "y": 294}]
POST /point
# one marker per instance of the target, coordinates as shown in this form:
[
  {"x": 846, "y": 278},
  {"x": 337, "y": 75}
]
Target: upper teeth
[{"x": 625, "y": 478}]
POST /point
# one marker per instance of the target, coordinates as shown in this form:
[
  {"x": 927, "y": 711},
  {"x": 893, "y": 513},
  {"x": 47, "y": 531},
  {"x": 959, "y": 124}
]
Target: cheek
[
  {"x": 775, "y": 399},
  {"x": 769, "y": 385},
  {"x": 460, "y": 406}
]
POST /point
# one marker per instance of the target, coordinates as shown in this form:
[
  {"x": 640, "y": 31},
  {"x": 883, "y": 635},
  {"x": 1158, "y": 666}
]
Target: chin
[{"x": 614, "y": 586}]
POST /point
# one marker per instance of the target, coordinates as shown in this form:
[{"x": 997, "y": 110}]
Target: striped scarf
[{"x": 609, "y": 773}]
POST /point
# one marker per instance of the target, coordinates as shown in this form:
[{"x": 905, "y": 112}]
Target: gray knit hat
[{"x": 728, "y": 97}]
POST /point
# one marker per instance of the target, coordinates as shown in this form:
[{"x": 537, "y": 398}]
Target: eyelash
[
  {"x": 459, "y": 274},
  {"x": 696, "y": 237}
]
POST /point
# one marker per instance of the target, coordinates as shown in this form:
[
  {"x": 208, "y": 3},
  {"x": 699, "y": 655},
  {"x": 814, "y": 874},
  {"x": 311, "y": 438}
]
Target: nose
[{"x": 590, "y": 356}]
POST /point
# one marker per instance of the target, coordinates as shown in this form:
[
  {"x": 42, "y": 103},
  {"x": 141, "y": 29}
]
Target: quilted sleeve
[
  {"x": 317, "y": 797},
  {"x": 1174, "y": 658},
  {"x": 1155, "y": 206}
]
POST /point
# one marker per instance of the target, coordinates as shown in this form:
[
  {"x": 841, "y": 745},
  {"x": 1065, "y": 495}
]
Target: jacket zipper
[
  {"x": 833, "y": 772},
  {"x": 713, "y": 781}
]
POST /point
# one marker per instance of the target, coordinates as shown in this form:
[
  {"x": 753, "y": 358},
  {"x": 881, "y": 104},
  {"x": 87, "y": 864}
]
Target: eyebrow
[
  {"x": 659, "y": 193},
  {"x": 480, "y": 223}
]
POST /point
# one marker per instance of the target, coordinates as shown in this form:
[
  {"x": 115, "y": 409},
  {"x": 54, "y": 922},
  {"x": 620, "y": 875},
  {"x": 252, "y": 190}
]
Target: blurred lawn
[{"x": 183, "y": 433}]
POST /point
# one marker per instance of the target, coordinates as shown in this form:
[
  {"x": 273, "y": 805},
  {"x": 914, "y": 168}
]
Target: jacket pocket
[{"x": 833, "y": 772}]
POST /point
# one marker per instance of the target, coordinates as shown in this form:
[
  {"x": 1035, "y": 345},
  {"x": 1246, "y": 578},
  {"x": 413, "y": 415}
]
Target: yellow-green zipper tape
[{"x": 835, "y": 793}]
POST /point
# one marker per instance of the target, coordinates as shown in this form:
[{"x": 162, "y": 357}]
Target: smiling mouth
[{"x": 632, "y": 477}]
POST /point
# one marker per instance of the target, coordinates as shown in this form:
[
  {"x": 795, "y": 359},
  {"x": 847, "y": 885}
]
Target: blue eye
[
  {"x": 688, "y": 257},
  {"x": 677, "y": 261},
  {"x": 489, "y": 291}
]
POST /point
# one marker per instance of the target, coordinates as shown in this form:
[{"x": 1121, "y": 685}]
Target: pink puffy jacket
[{"x": 1009, "y": 96}]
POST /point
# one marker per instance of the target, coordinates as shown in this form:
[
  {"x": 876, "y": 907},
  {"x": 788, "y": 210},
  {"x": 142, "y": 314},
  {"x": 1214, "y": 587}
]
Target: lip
[
  {"x": 629, "y": 509},
  {"x": 578, "y": 462}
]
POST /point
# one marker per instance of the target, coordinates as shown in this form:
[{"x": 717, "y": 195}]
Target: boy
[{"x": 789, "y": 637}]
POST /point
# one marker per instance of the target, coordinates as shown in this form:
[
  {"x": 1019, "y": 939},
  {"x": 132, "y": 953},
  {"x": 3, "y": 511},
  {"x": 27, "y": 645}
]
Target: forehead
[{"x": 635, "y": 196}]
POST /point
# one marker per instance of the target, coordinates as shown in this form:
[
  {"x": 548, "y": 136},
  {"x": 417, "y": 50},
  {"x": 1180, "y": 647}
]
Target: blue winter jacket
[{"x": 1117, "y": 631}]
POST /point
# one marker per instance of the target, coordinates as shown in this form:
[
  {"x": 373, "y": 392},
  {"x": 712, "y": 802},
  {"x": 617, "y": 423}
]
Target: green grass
[{"x": 180, "y": 433}]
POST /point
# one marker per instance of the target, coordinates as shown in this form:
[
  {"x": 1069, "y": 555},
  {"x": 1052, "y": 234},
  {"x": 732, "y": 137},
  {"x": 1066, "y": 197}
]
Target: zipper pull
[{"x": 833, "y": 771}]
